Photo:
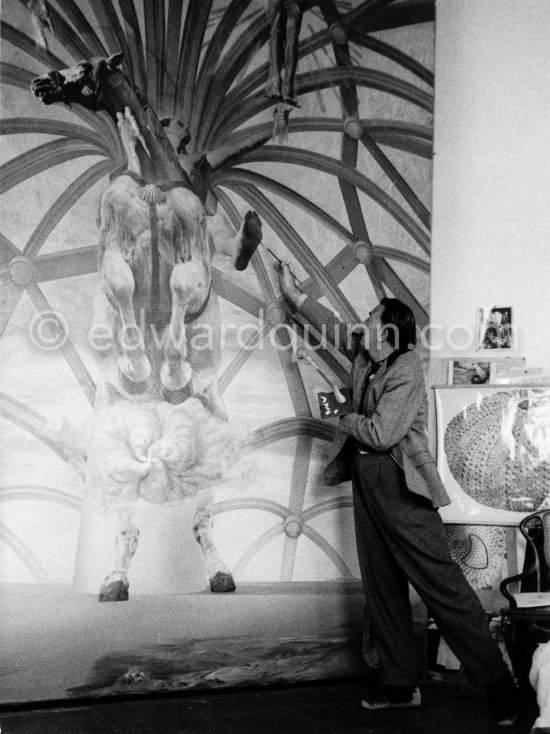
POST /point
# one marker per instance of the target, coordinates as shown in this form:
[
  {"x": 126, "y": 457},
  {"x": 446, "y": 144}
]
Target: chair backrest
[
  {"x": 535, "y": 576},
  {"x": 536, "y": 569}
]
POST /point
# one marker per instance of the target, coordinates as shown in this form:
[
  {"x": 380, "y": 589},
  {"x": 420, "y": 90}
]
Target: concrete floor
[{"x": 450, "y": 706}]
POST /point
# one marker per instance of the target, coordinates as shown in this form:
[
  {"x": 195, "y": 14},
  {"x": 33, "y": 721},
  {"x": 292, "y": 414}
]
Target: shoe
[
  {"x": 391, "y": 697},
  {"x": 503, "y": 700}
]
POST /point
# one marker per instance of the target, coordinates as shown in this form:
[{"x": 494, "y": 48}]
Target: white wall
[{"x": 491, "y": 204}]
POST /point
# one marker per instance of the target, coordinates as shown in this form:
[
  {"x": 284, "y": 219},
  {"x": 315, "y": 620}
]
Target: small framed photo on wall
[
  {"x": 469, "y": 372},
  {"x": 494, "y": 328}
]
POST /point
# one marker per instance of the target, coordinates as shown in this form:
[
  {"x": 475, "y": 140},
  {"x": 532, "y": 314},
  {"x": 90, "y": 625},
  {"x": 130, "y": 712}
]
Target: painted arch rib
[
  {"x": 325, "y": 355},
  {"x": 397, "y": 179},
  {"x": 293, "y": 378},
  {"x": 329, "y": 550},
  {"x": 394, "y": 54},
  {"x": 287, "y": 427},
  {"x": 33, "y": 422},
  {"x": 74, "y": 360},
  {"x": 236, "y": 295},
  {"x": 348, "y": 89},
  {"x": 243, "y": 176},
  {"x": 298, "y": 486},
  {"x": 349, "y": 157},
  {"x": 401, "y": 291},
  {"x": 355, "y": 213},
  {"x": 326, "y": 164},
  {"x": 344, "y": 262},
  {"x": 67, "y": 264},
  {"x": 10, "y": 293},
  {"x": 241, "y": 358},
  {"x": 292, "y": 375},
  {"x": 37, "y": 492},
  {"x": 334, "y": 503},
  {"x": 70, "y": 196},
  {"x": 407, "y": 137},
  {"x": 7, "y": 249},
  {"x": 298, "y": 247},
  {"x": 349, "y": 151},
  {"x": 384, "y": 15},
  {"x": 24, "y": 554},
  {"x": 249, "y": 503},
  {"x": 255, "y": 547},
  {"x": 41, "y": 159},
  {"x": 229, "y": 119}
]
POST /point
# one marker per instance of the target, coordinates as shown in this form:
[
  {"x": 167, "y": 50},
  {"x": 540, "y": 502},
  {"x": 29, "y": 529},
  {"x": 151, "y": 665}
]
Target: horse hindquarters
[{"x": 125, "y": 271}]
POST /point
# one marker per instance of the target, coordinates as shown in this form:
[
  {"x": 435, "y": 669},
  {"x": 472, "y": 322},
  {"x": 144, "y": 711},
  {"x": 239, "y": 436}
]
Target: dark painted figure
[{"x": 285, "y": 17}]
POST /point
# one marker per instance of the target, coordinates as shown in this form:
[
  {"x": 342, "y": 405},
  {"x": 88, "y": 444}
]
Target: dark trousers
[{"x": 401, "y": 539}]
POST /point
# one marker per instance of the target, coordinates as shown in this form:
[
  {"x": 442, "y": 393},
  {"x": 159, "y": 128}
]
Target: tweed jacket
[{"x": 392, "y": 417}]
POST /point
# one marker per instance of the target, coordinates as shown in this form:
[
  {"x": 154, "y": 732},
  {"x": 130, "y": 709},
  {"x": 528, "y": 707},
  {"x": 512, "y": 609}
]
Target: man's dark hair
[{"x": 399, "y": 315}]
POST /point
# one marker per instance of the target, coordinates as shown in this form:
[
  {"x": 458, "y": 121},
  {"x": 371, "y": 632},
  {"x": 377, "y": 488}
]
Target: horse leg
[
  {"x": 118, "y": 276},
  {"x": 116, "y": 585},
  {"x": 205, "y": 356},
  {"x": 292, "y": 35},
  {"x": 189, "y": 284},
  {"x": 276, "y": 17},
  {"x": 219, "y": 576}
]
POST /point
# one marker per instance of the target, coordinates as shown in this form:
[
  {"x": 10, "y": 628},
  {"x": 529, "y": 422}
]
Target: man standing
[{"x": 382, "y": 446}]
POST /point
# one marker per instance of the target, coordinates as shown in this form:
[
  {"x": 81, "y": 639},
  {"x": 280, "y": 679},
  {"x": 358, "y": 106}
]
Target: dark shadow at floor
[{"x": 449, "y": 706}]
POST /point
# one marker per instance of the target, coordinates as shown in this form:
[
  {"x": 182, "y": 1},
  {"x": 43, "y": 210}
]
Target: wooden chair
[
  {"x": 535, "y": 577},
  {"x": 526, "y": 622}
]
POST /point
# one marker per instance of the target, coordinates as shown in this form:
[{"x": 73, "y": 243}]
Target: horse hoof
[
  {"x": 175, "y": 377},
  {"x": 272, "y": 89},
  {"x": 177, "y": 397},
  {"x": 136, "y": 371},
  {"x": 131, "y": 387},
  {"x": 250, "y": 239},
  {"x": 222, "y": 582},
  {"x": 114, "y": 591}
]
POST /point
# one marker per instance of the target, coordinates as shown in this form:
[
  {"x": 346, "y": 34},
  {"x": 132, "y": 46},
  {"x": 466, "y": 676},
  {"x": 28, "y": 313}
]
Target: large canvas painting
[
  {"x": 493, "y": 452},
  {"x": 494, "y": 458},
  {"x": 161, "y": 496}
]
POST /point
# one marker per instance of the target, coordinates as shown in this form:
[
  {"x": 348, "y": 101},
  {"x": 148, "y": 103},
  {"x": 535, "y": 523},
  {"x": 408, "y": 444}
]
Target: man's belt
[{"x": 364, "y": 449}]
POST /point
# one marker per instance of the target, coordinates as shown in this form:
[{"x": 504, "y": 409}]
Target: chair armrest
[{"x": 504, "y": 588}]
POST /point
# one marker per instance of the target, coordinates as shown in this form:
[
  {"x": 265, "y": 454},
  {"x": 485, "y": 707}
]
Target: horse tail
[{"x": 155, "y": 263}]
